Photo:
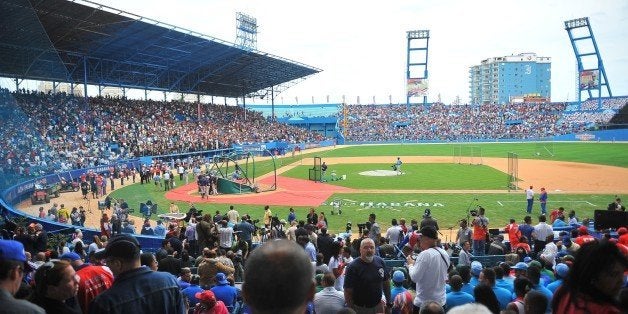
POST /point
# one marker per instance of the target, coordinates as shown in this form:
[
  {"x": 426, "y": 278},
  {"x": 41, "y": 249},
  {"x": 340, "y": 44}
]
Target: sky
[{"x": 361, "y": 45}]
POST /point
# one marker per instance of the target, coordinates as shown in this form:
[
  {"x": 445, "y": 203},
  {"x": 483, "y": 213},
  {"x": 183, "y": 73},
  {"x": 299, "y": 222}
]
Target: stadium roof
[{"x": 57, "y": 40}]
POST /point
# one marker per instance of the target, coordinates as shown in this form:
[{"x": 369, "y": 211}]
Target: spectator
[
  {"x": 536, "y": 302},
  {"x": 56, "y": 288},
  {"x": 13, "y": 265},
  {"x": 540, "y": 234},
  {"x": 148, "y": 259},
  {"x": 367, "y": 278},
  {"x": 266, "y": 291},
  {"x": 464, "y": 257},
  {"x": 402, "y": 298},
  {"x": 487, "y": 277},
  {"x": 521, "y": 286},
  {"x": 142, "y": 289},
  {"x": 224, "y": 292},
  {"x": 429, "y": 271},
  {"x": 593, "y": 283},
  {"x": 328, "y": 300},
  {"x": 483, "y": 294},
  {"x": 561, "y": 273},
  {"x": 208, "y": 304},
  {"x": 431, "y": 307},
  {"x": 191, "y": 291},
  {"x": 457, "y": 297},
  {"x": 534, "y": 274}
]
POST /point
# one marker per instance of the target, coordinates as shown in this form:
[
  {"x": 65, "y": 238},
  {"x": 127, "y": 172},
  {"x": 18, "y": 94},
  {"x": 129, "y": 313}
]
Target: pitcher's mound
[{"x": 379, "y": 173}]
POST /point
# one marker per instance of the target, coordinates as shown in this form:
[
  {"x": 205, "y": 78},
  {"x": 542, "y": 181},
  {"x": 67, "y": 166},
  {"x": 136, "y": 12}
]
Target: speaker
[{"x": 605, "y": 219}]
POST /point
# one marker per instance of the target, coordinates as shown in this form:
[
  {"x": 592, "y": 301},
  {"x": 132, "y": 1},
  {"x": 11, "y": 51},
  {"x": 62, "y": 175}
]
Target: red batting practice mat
[{"x": 290, "y": 192}]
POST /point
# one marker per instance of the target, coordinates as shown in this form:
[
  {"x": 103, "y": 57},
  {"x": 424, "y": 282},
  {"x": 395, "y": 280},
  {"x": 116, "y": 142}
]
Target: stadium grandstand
[{"x": 174, "y": 152}]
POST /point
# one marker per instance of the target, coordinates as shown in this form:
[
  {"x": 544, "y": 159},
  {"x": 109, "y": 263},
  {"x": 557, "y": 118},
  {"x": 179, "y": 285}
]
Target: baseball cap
[
  {"x": 520, "y": 266},
  {"x": 12, "y": 250},
  {"x": 622, "y": 230},
  {"x": 583, "y": 230},
  {"x": 398, "y": 276},
  {"x": 476, "y": 268},
  {"x": 562, "y": 269},
  {"x": 535, "y": 264},
  {"x": 221, "y": 279},
  {"x": 527, "y": 259},
  {"x": 122, "y": 245},
  {"x": 427, "y": 213},
  {"x": 71, "y": 256},
  {"x": 429, "y": 231},
  {"x": 206, "y": 296}
]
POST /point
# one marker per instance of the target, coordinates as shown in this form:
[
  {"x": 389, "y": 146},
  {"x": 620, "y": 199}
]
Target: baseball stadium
[{"x": 78, "y": 162}]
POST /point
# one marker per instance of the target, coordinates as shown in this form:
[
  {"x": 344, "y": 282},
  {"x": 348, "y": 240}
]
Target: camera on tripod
[
  {"x": 474, "y": 212},
  {"x": 364, "y": 226}
]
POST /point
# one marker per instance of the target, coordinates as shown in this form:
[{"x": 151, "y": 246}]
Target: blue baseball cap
[
  {"x": 398, "y": 276},
  {"x": 71, "y": 256},
  {"x": 12, "y": 250},
  {"x": 527, "y": 259},
  {"x": 221, "y": 279},
  {"x": 562, "y": 270},
  {"x": 520, "y": 266},
  {"x": 476, "y": 268}
]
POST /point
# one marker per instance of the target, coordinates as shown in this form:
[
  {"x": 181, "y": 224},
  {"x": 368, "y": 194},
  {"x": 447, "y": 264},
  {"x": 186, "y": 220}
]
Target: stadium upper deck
[{"x": 82, "y": 42}]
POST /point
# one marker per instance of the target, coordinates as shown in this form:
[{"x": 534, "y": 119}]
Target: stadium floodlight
[
  {"x": 246, "y": 31},
  {"x": 575, "y": 23},
  {"x": 418, "y": 34}
]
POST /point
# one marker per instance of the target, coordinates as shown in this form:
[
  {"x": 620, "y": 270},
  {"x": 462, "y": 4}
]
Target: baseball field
[{"x": 450, "y": 179}]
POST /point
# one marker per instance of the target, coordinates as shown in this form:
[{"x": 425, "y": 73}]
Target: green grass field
[
  {"x": 415, "y": 177},
  {"x": 447, "y": 208}
]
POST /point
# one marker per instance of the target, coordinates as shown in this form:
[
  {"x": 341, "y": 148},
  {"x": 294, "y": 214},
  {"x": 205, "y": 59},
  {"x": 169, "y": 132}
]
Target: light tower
[
  {"x": 416, "y": 69},
  {"x": 591, "y": 73},
  {"x": 246, "y": 31}
]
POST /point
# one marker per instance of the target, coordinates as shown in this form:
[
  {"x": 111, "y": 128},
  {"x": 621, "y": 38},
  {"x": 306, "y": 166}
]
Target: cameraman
[{"x": 480, "y": 230}]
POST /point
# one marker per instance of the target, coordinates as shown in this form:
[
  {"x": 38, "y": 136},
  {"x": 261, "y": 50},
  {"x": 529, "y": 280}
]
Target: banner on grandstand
[
  {"x": 417, "y": 87},
  {"x": 589, "y": 79}
]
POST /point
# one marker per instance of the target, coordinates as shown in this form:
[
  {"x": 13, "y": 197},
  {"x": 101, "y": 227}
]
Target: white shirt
[
  {"x": 226, "y": 237},
  {"x": 529, "y": 194},
  {"x": 542, "y": 231},
  {"x": 233, "y": 215},
  {"x": 329, "y": 300},
  {"x": 429, "y": 272},
  {"x": 335, "y": 263},
  {"x": 393, "y": 234}
]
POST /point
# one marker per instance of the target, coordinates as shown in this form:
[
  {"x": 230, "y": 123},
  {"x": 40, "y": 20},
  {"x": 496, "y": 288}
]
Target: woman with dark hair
[
  {"x": 56, "y": 288},
  {"x": 484, "y": 294},
  {"x": 594, "y": 281}
]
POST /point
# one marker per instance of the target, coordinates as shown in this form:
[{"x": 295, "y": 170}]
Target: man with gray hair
[{"x": 366, "y": 278}]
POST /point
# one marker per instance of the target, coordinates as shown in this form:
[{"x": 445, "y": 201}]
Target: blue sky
[{"x": 361, "y": 45}]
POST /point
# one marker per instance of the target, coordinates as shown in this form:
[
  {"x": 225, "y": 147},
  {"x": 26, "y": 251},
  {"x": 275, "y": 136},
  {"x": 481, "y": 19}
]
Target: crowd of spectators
[
  {"x": 453, "y": 122},
  {"x": 46, "y": 133},
  {"x": 303, "y": 268}
]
